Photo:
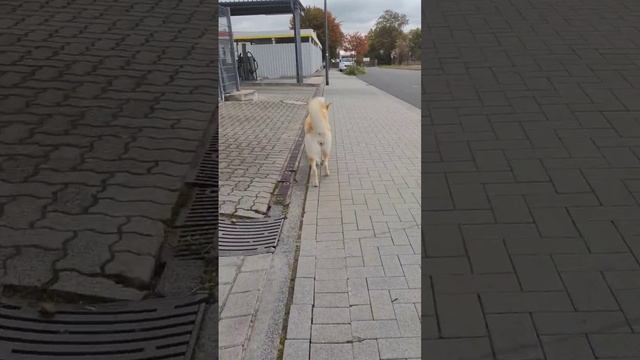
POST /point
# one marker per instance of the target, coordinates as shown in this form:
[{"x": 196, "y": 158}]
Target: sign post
[{"x": 326, "y": 44}]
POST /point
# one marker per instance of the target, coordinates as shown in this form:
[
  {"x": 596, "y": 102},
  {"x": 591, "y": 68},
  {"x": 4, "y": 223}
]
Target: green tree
[
  {"x": 401, "y": 52},
  {"x": 415, "y": 41},
  {"x": 385, "y": 34},
  {"x": 392, "y": 18},
  {"x": 313, "y": 18}
]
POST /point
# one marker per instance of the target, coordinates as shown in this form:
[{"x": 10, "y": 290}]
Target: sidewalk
[
  {"x": 256, "y": 140},
  {"x": 531, "y": 168},
  {"x": 97, "y": 132},
  {"x": 357, "y": 287}
]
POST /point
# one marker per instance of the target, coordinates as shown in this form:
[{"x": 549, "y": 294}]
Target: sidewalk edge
[{"x": 277, "y": 291}]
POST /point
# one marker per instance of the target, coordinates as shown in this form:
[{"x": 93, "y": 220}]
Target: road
[{"x": 403, "y": 84}]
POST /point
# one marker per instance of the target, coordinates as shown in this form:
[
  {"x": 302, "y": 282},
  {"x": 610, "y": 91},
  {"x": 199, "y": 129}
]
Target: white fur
[{"x": 317, "y": 142}]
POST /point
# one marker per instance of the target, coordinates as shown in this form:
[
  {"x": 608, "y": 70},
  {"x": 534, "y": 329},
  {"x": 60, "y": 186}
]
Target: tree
[
  {"x": 415, "y": 42},
  {"x": 313, "y": 18},
  {"x": 384, "y": 36},
  {"x": 402, "y": 50},
  {"x": 358, "y": 44},
  {"x": 392, "y": 18}
]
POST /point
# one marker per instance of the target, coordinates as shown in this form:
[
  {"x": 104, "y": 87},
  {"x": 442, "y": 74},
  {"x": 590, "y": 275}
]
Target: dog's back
[
  {"x": 318, "y": 119},
  {"x": 317, "y": 138}
]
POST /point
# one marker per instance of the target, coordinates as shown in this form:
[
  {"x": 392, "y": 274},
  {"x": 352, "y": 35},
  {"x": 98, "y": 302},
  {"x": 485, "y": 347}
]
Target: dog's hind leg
[
  {"x": 314, "y": 172},
  {"x": 325, "y": 163},
  {"x": 314, "y": 154},
  {"x": 325, "y": 152}
]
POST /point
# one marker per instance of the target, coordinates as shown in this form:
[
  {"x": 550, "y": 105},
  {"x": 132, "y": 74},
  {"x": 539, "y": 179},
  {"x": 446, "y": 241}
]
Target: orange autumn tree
[
  {"x": 358, "y": 44},
  {"x": 313, "y": 18}
]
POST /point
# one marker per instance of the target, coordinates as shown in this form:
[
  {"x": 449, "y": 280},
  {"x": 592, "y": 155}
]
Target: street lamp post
[{"x": 326, "y": 44}]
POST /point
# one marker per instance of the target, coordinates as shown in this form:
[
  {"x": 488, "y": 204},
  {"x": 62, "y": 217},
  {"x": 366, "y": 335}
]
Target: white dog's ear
[{"x": 328, "y": 105}]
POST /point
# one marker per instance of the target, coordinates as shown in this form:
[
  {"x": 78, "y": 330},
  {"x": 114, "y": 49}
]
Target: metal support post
[
  {"x": 326, "y": 43},
  {"x": 296, "y": 17}
]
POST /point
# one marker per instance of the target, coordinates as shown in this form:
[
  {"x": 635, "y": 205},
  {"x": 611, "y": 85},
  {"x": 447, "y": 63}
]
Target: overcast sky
[{"x": 355, "y": 15}]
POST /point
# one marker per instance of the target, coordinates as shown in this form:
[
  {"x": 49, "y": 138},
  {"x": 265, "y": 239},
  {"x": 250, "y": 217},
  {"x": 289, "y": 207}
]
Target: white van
[{"x": 344, "y": 63}]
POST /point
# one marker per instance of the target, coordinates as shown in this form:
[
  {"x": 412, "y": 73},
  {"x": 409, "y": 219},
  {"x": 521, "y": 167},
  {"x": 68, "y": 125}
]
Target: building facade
[{"x": 274, "y": 52}]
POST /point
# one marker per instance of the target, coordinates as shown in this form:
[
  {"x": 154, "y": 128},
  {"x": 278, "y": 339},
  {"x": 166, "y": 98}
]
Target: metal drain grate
[
  {"x": 287, "y": 176},
  {"x": 206, "y": 174},
  {"x": 235, "y": 238},
  {"x": 150, "y": 329},
  {"x": 202, "y": 209},
  {"x": 196, "y": 228},
  {"x": 196, "y": 242},
  {"x": 249, "y": 237}
]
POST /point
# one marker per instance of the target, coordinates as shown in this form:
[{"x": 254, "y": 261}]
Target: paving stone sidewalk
[
  {"x": 531, "y": 177},
  {"x": 256, "y": 138},
  {"x": 357, "y": 285},
  {"x": 102, "y": 106},
  {"x": 241, "y": 280}
]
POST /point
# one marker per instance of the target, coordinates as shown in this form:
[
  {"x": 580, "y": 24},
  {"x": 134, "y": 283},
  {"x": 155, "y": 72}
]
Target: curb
[
  {"x": 272, "y": 311},
  {"x": 277, "y": 84},
  {"x": 268, "y": 320}
]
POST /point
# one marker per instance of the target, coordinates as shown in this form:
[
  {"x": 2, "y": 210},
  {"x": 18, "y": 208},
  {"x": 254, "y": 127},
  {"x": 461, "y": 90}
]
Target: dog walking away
[{"x": 317, "y": 136}]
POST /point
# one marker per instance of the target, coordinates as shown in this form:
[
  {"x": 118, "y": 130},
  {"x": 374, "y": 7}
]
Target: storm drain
[
  {"x": 287, "y": 177},
  {"x": 202, "y": 208},
  {"x": 235, "y": 238},
  {"x": 206, "y": 174},
  {"x": 195, "y": 231},
  {"x": 249, "y": 237},
  {"x": 150, "y": 329},
  {"x": 196, "y": 242}
]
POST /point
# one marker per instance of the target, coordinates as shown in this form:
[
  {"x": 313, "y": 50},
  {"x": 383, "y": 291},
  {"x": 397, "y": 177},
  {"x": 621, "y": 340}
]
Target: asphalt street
[{"x": 403, "y": 84}]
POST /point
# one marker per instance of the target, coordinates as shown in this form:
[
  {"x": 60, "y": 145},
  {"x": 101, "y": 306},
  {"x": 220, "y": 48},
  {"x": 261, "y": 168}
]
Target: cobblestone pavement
[
  {"x": 102, "y": 105},
  {"x": 531, "y": 171},
  {"x": 357, "y": 287},
  {"x": 255, "y": 140}
]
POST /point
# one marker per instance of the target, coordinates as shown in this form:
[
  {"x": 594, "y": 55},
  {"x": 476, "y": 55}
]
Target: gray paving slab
[
  {"x": 531, "y": 163},
  {"x": 241, "y": 281},
  {"x": 102, "y": 107},
  {"x": 359, "y": 266}
]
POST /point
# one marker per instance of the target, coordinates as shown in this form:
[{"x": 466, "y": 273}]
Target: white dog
[{"x": 317, "y": 138}]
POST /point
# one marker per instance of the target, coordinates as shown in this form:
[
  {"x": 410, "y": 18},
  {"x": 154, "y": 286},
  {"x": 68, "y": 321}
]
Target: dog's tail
[{"x": 317, "y": 108}]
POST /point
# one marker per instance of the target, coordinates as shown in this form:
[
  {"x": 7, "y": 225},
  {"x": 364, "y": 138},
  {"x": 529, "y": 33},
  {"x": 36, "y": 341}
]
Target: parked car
[{"x": 345, "y": 63}]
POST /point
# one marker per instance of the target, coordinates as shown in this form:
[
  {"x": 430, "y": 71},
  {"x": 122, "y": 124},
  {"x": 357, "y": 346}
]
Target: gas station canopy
[
  {"x": 272, "y": 7},
  {"x": 262, "y": 7}
]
